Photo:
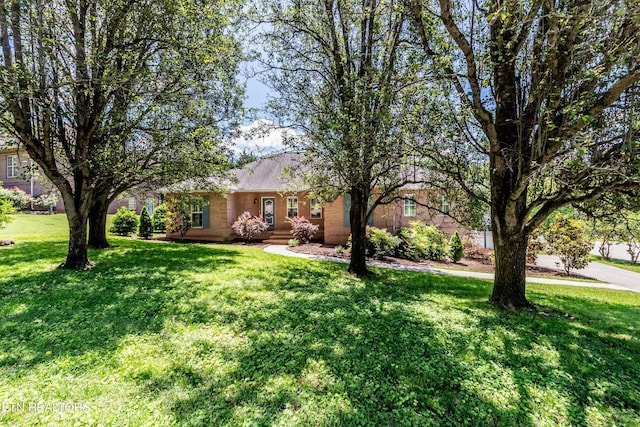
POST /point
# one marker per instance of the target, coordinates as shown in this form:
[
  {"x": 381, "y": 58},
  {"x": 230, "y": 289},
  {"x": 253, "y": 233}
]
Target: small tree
[
  {"x": 178, "y": 215},
  {"x": 302, "y": 230},
  {"x": 146, "y": 224},
  {"x": 248, "y": 226},
  {"x": 565, "y": 237},
  {"x": 632, "y": 235},
  {"x": 159, "y": 218},
  {"x": 125, "y": 222},
  {"x": 456, "y": 248}
]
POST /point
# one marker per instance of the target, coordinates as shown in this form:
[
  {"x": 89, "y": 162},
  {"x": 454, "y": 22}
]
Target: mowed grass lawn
[{"x": 161, "y": 334}]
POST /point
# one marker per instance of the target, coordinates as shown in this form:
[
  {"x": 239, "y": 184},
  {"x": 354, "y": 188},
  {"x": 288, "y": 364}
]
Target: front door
[{"x": 269, "y": 211}]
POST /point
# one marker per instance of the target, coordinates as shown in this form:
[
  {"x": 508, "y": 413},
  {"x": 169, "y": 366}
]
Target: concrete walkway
[
  {"x": 605, "y": 273},
  {"x": 282, "y": 250}
]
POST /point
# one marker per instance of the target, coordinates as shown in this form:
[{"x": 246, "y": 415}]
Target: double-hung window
[
  {"x": 292, "y": 207},
  {"x": 410, "y": 205},
  {"x": 315, "y": 209},
  {"x": 12, "y": 166},
  {"x": 197, "y": 215}
]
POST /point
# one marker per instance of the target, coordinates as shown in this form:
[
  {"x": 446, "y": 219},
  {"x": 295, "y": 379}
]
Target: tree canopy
[
  {"x": 348, "y": 80},
  {"x": 546, "y": 91},
  {"x": 104, "y": 95}
]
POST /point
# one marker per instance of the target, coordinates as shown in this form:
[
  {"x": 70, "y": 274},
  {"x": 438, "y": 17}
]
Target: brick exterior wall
[
  {"x": 224, "y": 211},
  {"x": 390, "y": 217}
]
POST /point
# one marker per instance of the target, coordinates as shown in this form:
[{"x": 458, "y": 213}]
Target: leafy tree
[
  {"x": 159, "y": 218},
  {"x": 456, "y": 248},
  {"x": 125, "y": 222},
  {"x": 546, "y": 94},
  {"x": 145, "y": 228},
  {"x": 347, "y": 79},
  {"x": 565, "y": 237},
  {"x": 105, "y": 95},
  {"x": 631, "y": 235},
  {"x": 178, "y": 215}
]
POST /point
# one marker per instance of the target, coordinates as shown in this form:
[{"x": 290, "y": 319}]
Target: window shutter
[
  {"x": 347, "y": 210},
  {"x": 205, "y": 212}
]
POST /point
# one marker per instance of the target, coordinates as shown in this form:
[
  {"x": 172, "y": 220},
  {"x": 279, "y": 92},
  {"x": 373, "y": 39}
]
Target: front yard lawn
[{"x": 164, "y": 334}]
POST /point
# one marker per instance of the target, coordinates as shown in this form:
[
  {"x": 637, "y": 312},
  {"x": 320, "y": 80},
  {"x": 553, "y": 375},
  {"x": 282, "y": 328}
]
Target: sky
[{"x": 253, "y": 138}]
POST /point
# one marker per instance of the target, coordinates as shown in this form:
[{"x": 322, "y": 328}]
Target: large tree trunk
[
  {"x": 358, "y": 219},
  {"x": 508, "y": 219},
  {"x": 98, "y": 223},
  {"x": 77, "y": 257},
  {"x": 510, "y": 264}
]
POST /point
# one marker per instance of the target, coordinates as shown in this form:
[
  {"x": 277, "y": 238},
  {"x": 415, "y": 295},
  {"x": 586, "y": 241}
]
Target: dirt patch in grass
[{"x": 320, "y": 249}]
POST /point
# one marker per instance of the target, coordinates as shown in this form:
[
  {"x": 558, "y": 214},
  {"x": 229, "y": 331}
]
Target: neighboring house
[
  {"x": 261, "y": 190},
  {"x": 15, "y": 172},
  {"x": 15, "y": 167}
]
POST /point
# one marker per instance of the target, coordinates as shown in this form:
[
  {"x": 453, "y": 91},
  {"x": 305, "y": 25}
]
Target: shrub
[
  {"x": 476, "y": 253},
  {"x": 159, "y": 218},
  {"x": 302, "y": 229},
  {"x": 421, "y": 241},
  {"x": 47, "y": 200},
  {"x": 125, "y": 222},
  {"x": 339, "y": 249},
  {"x": 18, "y": 198},
  {"x": 248, "y": 226},
  {"x": 293, "y": 242},
  {"x": 146, "y": 224},
  {"x": 565, "y": 237},
  {"x": 456, "y": 249},
  {"x": 381, "y": 243}
]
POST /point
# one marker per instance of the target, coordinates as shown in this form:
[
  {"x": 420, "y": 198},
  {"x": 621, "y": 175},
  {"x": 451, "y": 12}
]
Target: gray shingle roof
[{"x": 266, "y": 173}]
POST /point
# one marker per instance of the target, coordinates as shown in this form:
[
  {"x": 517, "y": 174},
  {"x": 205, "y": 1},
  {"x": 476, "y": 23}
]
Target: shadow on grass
[
  {"x": 263, "y": 340},
  {"x": 409, "y": 349},
  {"x": 130, "y": 290}
]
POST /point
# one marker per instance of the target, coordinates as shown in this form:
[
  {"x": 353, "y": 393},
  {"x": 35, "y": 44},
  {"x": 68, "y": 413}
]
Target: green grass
[
  {"x": 33, "y": 227},
  {"x": 620, "y": 263},
  {"x": 164, "y": 334}
]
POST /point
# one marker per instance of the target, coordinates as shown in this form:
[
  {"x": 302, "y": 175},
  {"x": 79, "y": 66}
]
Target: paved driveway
[{"x": 606, "y": 273}]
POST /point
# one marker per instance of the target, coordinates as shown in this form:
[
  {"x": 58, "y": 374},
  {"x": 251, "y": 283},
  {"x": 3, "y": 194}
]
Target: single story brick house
[{"x": 261, "y": 190}]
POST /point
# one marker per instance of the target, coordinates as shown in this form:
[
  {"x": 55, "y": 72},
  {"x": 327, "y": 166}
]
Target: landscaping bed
[{"x": 320, "y": 249}]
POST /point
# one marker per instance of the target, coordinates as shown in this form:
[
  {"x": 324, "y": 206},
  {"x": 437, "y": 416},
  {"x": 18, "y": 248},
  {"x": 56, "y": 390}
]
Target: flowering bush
[
  {"x": 18, "y": 198},
  {"x": 302, "y": 230},
  {"x": 248, "y": 226}
]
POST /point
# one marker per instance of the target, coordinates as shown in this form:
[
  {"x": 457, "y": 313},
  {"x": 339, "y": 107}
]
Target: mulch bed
[{"x": 464, "y": 264}]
